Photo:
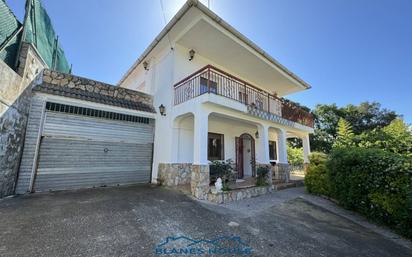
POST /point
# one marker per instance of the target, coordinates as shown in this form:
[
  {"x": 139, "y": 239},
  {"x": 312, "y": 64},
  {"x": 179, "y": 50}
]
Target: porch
[{"x": 204, "y": 137}]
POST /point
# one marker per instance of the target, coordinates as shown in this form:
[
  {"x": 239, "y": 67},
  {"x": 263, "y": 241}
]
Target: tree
[
  {"x": 364, "y": 118},
  {"x": 396, "y": 138},
  {"x": 345, "y": 136}
]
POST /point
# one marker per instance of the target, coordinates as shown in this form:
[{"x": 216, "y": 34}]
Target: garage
[
  {"x": 78, "y": 138},
  {"x": 83, "y": 147}
]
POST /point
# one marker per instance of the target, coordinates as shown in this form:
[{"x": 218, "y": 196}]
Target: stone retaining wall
[{"x": 238, "y": 194}]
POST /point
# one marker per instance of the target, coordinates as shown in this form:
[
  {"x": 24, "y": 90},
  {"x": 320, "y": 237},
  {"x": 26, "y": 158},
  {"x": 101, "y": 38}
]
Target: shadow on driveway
[{"x": 131, "y": 221}]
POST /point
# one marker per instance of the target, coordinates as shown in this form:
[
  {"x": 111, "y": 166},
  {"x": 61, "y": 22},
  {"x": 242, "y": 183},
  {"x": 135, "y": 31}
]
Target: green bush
[
  {"x": 223, "y": 170},
  {"x": 316, "y": 179},
  {"x": 374, "y": 182},
  {"x": 262, "y": 175}
]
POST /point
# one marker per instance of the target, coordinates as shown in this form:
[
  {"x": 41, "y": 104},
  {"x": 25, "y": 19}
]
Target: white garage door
[{"x": 82, "y": 147}]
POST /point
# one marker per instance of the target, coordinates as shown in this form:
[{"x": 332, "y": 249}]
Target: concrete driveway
[{"x": 133, "y": 221}]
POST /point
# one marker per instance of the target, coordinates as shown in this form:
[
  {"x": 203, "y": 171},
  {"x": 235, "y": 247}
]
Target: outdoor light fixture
[
  {"x": 191, "y": 54},
  {"x": 162, "y": 110},
  {"x": 146, "y": 65},
  {"x": 257, "y": 134}
]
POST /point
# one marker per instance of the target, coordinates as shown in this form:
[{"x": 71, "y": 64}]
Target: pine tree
[{"x": 345, "y": 136}]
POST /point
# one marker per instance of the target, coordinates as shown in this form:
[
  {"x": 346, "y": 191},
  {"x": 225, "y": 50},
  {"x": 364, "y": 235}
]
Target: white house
[{"x": 220, "y": 96}]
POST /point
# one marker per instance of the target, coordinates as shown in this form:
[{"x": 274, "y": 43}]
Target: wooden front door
[{"x": 239, "y": 156}]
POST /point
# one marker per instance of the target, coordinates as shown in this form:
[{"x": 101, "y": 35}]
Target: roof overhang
[{"x": 212, "y": 37}]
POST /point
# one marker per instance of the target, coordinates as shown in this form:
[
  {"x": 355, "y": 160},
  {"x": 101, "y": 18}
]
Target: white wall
[{"x": 230, "y": 129}]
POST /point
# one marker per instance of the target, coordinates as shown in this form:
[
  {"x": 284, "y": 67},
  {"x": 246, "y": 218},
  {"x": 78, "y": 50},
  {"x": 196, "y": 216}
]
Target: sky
[{"x": 349, "y": 51}]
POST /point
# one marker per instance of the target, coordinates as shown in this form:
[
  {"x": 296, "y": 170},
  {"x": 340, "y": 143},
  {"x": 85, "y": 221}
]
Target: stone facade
[
  {"x": 174, "y": 174},
  {"x": 199, "y": 183},
  {"x": 74, "y": 86},
  {"x": 15, "y": 96},
  {"x": 237, "y": 194}
]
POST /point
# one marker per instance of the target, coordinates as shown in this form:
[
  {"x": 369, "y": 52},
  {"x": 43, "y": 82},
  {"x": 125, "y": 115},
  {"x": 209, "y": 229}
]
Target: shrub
[
  {"x": 316, "y": 179},
  {"x": 223, "y": 170},
  {"x": 262, "y": 175},
  {"x": 373, "y": 182}
]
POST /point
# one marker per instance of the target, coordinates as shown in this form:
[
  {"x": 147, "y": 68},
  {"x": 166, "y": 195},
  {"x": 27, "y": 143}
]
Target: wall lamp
[
  {"x": 191, "y": 54},
  {"x": 146, "y": 65},
  {"x": 162, "y": 110},
  {"x": 257, "y": 134}
]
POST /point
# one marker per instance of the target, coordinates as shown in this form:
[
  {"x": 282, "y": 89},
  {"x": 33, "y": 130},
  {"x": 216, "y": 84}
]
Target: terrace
[{"x": 211, "y": 80}]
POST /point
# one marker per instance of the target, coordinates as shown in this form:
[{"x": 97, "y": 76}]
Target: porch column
[
  {"x": 283, "y": 165},
  {"x": 201, "y": 128},
  {"x": 282, "y": 146},
  {"x": 306, "y": 148},
  {"x": 263, "y": 145}
]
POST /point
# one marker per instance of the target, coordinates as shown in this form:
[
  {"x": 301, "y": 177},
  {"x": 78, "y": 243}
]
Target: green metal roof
[
  {"x": 38, "y": 30},
  {"x": 9, "y": 36}
]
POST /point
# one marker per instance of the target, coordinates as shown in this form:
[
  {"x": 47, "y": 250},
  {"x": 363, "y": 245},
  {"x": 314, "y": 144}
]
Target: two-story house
[{"x": 219, "y": 97}]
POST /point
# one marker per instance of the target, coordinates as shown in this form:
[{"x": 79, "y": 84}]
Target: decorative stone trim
[
  {"x": 68, "y": 85},
  {"x": 174, "y": 174},
  {"x": 237, "y": 194}
]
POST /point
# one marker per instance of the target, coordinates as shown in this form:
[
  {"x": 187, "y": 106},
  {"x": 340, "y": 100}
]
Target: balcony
[{"x": 212, "y": 80}]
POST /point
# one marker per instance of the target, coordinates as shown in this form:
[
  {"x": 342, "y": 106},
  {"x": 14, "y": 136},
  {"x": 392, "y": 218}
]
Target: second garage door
[{"x": 83, "y": 147}]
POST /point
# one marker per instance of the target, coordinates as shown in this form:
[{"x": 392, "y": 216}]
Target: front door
[{"x": 239, "y": 157}]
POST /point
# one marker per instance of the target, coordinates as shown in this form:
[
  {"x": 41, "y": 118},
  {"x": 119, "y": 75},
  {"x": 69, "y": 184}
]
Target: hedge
[{"x": 376, "y": 183}]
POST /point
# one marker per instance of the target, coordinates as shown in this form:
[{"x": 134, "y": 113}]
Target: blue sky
[{"x": 348, "y": 50}]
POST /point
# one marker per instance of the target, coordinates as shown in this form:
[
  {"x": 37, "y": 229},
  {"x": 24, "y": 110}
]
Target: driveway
[{"x": 133, "y": 221}]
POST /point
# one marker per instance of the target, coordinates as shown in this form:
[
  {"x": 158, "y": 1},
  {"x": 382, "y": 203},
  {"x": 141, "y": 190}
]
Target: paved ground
[{"x": 131, "y": 221}]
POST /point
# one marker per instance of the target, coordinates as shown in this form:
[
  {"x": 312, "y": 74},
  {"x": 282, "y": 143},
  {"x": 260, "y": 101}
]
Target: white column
[
  {"x": 175, "y": 143},
  {"x": 282, "y": 146},
  {"x": 306, "y": 148},
  {"x": 201, "y": 128},
  {"x": 262, "y": 145}
]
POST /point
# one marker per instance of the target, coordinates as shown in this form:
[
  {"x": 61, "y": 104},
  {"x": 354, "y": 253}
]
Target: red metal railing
[{"x": 210, "y": 79}]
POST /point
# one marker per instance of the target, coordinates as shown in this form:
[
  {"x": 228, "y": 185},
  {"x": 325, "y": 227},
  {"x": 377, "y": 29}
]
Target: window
[
  {"x": 204, "y": 87},
  {"x": 56, "y": 107},
  {"x": 215, "y": 147},
  {"x": 272, "y": 150}
]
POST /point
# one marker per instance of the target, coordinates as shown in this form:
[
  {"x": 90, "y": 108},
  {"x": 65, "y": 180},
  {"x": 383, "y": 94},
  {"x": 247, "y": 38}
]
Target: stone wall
[
  {"x": 72, "y": 82},
  {"x": 199, "y": 183},
  {"x": 237, "y": 194},
  {"x": 15, "y": 95},
  {"x": 174, "y": 174}
]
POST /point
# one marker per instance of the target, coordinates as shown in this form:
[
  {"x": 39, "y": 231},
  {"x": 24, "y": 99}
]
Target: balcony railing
[{"x": 213, "y": 80}]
